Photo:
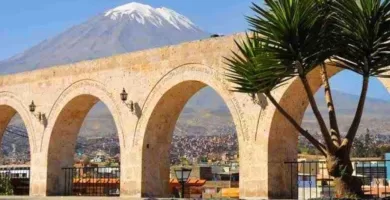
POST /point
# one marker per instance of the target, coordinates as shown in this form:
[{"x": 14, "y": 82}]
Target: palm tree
[{"x": 290, "y": 38}]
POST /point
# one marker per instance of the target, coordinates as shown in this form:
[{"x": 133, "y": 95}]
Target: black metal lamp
[
  {"x": 32, "y": 107},
  {"x": 182, "y": 175},
  {"x": 124, "y": 95}
]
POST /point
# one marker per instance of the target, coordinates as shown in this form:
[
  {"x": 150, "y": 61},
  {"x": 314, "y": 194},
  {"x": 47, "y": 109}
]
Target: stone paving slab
[
  {"x": 68, "y": 198},
  {"x": 95, "y": 198},
  {"x": 80, "y": 198}
]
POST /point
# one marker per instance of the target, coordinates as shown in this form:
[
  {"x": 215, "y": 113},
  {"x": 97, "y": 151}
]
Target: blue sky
[{"x": 24, "y": 23}]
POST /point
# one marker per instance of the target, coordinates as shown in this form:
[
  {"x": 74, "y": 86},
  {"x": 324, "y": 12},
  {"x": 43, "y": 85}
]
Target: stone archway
[
  {"x": 65, "y": 120},
  {"x": 9, "y": 106},
  {"x": 159, "y": 116}
]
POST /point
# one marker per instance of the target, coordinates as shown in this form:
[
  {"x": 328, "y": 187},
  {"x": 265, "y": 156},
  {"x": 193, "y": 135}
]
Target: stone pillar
[
  {"x": 253, "y": 171},
  {"x": 62, "y": 156},
  {"x": 263, "y": 171},
  {"x": 156, "y": 170},
  {"x": 281, "y": 178},
  {"x": 46, "y": 174},
  {"x": 131, "y": 173},
  {"x": 38, "y": 175},
  {"x": 269, "y": 142}
]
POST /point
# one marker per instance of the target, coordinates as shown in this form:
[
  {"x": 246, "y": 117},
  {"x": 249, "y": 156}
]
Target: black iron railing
[
  {"x": 310, "y": 179},
  {"x": 92, "y": 181},
  {"x": 14, "y": 181}
]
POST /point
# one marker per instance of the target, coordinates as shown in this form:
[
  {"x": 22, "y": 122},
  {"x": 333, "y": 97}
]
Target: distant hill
[
  {"x": 375, "y": 117},
  {"x": 206, "y": 113},
  {"x": 346, "y": 104}
]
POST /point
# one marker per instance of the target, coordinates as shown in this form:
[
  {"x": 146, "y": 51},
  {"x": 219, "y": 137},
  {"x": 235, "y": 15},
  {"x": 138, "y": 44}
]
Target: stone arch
[
  {"x": 65, "y": 120},
  {"x": 160, "y": 113},
  {"x": 10, "y": 104}
]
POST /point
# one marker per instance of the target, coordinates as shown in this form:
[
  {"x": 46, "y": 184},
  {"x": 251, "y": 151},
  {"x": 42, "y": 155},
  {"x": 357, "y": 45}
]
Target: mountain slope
[
  {"x": 346, "y": 104},
  {"x": 207, "y": 114},
  {"x": 127, "y": 28},
  {"x": 375, "y": 116}
]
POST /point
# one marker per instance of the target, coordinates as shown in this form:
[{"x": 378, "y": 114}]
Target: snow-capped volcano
[
  {"x": 126, "y": 28},
  {"x": 157, "y": 16}
]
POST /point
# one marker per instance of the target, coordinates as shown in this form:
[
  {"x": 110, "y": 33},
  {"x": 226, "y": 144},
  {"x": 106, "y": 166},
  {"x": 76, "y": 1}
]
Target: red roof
[{"x": 191, "y": 182}]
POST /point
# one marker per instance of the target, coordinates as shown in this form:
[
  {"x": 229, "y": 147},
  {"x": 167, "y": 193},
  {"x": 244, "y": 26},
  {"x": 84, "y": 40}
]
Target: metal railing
[
  {"x": 310, "y": 179},
  {"x": 14, "y": 181},
  {"x": 92, "y": 181}
]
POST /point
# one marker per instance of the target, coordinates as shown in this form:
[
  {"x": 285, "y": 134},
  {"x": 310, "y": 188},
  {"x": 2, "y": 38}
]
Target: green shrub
[{"x": 6, "y": 187}]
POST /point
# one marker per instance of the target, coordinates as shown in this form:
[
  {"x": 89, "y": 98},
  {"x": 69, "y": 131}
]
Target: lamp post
[{"x": 182, "y": 175}]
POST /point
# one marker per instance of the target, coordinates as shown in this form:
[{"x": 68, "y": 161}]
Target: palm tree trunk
[
  {"x": 340, "y": 168},
  {"x": 358, "y": 115},
  {"x": 348, "y": 187},
  {"x": 339, "y": 164},
  {"x": 334, "y": 128},
  {"x": 324, "y": 130},
  {"x": 303, "y": 132}
]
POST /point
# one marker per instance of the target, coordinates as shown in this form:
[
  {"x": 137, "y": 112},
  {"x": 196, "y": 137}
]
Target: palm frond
[
  {"x": 364, "y": 32},
  {"x": 294, "y": 31},
  {"x": 254, "y": 70},
  {"x": 285, "y": 33}
]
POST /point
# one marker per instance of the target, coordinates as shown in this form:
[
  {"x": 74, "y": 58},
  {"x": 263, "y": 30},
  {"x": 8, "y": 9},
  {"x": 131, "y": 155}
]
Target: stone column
[
  {"x": 263, "y": 171},
  {"x": 253, "y": 171},
  {"x": 131, "y": 173},
  {"x": 38, "y": 175}
]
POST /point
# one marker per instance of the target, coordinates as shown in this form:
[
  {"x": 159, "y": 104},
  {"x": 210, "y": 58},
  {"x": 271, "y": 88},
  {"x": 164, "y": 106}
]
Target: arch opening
[
  {"x": 15, "y": 153},
  {"x": 84, "y": 152},
  {"x": 174, "y": 131}
]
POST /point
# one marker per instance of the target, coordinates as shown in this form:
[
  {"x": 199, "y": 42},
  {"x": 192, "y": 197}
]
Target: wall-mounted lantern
[
  {"x": 32, "y": 107},
  {"x": 124, "y": 96}
]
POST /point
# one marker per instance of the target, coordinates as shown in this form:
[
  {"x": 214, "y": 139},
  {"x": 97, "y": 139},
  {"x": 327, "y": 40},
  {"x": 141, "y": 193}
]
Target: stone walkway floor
[
  {"x": 76, "y": 198},
  {"x": 67, "y": 198}
]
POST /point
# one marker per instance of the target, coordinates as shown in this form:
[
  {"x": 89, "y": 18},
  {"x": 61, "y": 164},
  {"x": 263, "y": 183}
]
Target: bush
[{"x": 6, "y": 187}]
